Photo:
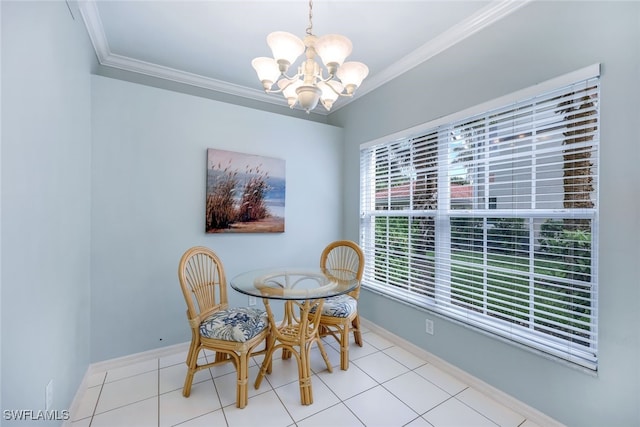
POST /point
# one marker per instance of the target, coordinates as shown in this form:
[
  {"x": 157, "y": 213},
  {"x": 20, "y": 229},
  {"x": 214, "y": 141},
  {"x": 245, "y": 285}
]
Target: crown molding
[
  {"x": 160, "y": 71},
  {"x": 493, "y": 12},
  {"x": 485, "y": 17},
  {"x": 93, "y": 23},
  {"x": 95, "y": 29}
]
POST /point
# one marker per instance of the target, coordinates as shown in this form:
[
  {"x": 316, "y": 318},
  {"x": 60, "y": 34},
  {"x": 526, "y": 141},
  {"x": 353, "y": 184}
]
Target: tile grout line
[
  {"x": 476, "y": 410},
  {"x": 331, "y": 389},
  {"x": 381, "y": 384},
  {"x": 413, "y": 370},
  {"x": 95, "y": 407},
  {"x": 284, "y": 405},
  {"x": 215, "y": 387},
  {"x": 378, "y": 350}
]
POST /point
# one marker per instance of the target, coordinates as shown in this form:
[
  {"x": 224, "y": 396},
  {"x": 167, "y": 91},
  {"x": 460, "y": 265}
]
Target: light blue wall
[
  {"x": 540, "y": 41},
  {"x": 148, "y": 204},
  {"x": 121, "y": 216},
  {"x": 45, "y": 198}
]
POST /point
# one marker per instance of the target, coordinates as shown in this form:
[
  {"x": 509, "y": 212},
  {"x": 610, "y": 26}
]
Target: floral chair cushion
[
  {"x": 238, "y": 324},
  {"x": 338, "y": 306}
]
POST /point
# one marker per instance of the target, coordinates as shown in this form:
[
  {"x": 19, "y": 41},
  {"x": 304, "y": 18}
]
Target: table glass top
[{"x": 295, "y": 283}]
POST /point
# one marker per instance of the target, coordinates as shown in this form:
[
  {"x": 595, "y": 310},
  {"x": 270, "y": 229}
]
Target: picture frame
[{"x": 245, "y": 193}]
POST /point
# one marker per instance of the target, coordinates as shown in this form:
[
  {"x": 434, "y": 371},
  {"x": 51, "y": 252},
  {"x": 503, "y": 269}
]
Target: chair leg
[
  {"x": 190, "y": 353},
  {"x": 357, "y": 335},
  {"x": 344, "y": 347},
  {"x": 322, "y": 331},
  {"x": 192, "y": 360},
  {"x": 242, "y": 393}
]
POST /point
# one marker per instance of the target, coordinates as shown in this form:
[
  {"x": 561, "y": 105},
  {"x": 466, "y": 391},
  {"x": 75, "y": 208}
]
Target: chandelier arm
[
  {"x": 294, "y": 77},
  {"x": 330, "y": 78},
  {"x": 336, "y": 92},
  {"x": 321, "y": 77},
  {"x": 291, "y": 80},
  {"x": 274, "y": 90}
]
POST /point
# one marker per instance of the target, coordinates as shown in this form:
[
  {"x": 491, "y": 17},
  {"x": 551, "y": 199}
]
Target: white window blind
[{"x": 491, "y": 218}]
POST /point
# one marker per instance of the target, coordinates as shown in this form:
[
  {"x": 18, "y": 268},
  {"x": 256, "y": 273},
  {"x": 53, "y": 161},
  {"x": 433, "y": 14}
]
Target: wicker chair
[
  {"x": 340, "y": 314},
  {"x": 232, "y": 333}
]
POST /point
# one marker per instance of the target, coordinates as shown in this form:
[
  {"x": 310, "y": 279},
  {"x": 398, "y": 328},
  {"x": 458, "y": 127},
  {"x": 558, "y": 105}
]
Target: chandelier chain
[{"x": 310, "y": 27}]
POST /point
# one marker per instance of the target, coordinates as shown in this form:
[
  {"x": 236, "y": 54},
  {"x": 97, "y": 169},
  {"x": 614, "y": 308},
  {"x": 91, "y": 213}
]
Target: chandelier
[{"x": 309, "y": 85}]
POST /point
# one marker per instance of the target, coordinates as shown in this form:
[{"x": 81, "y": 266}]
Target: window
[{"x": 490, "y": 217}]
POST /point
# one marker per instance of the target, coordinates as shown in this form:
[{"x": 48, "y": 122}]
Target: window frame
[{"x": 442, "y": 218}]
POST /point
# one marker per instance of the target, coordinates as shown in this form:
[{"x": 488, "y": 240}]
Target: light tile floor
[{"x": 385, "y": 385}]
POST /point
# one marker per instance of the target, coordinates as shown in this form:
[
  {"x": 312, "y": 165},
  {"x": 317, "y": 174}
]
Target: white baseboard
[
  {"x": 156, "y": 353},
  {"x": 527, "y": 411}
]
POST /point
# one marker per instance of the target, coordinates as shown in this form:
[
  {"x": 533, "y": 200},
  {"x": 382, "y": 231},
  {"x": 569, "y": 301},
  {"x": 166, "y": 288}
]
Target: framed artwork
[{"x": 245, "y": 193}]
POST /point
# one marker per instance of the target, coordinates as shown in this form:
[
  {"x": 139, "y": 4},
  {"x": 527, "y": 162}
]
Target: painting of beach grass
[{"x": 245, "y": 193}]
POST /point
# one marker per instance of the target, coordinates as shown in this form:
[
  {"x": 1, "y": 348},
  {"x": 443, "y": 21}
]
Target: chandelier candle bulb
[{"x": 310, "y": 85}]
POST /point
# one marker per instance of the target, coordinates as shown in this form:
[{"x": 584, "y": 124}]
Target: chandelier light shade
[
  {"x": 351, "y": 74},
  {"x": 286, "y": 48},
  {"x": 267, "y": 70},
  {"x": 333, "y": 49},
  {"x": 311, "y": 84}
]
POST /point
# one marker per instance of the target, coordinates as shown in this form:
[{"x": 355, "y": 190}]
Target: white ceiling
[{"x": 210, "y": 44}]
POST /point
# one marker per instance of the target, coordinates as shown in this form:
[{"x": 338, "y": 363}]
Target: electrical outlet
[
  {"x": 252, "y": 300},
  {"x": 429, "y": 326},
  {"x": 48, "y": 396}
]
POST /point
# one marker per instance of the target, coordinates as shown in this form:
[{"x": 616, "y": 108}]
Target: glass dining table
[{"x": 303, "y": 291}]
